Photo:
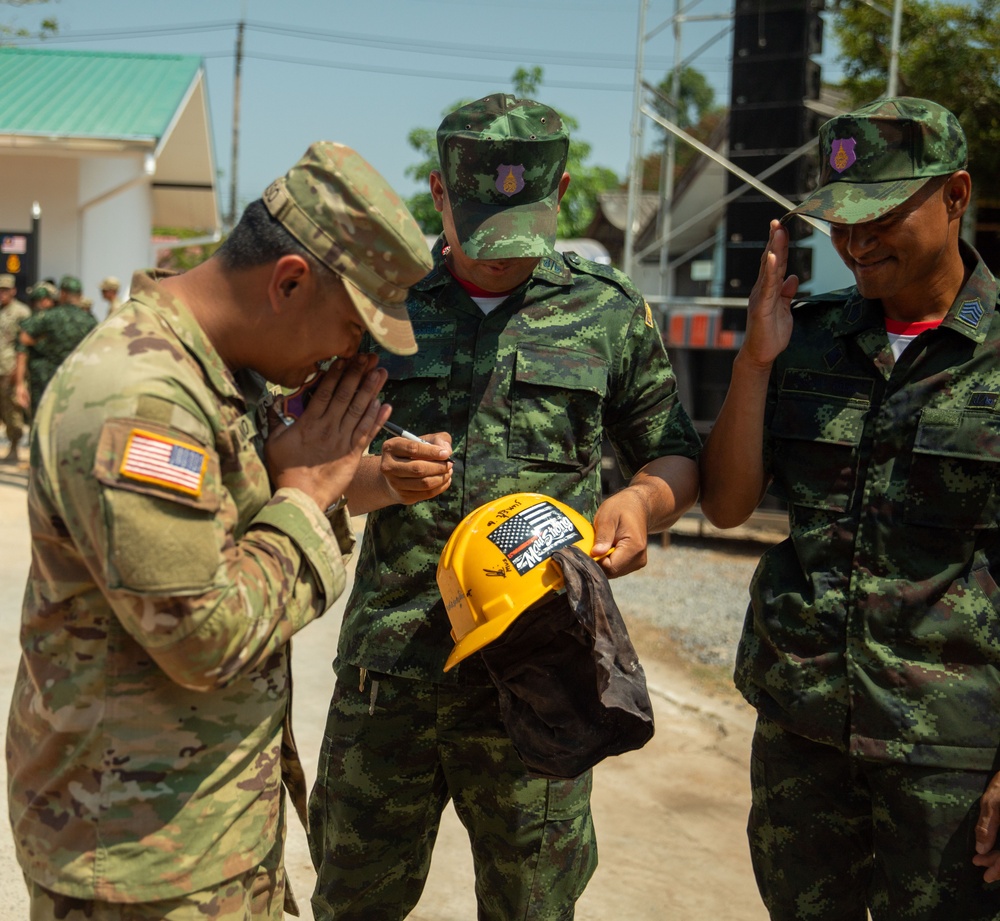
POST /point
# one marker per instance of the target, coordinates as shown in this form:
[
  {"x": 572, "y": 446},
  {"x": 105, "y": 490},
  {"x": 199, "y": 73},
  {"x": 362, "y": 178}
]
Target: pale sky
[{"x": 366, "y": 72}]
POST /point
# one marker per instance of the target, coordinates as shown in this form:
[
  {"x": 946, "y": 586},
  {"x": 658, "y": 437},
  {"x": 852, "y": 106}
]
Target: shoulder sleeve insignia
[
  {"x": 157, "y": 459},
  {"x": 649, "y": 316}
]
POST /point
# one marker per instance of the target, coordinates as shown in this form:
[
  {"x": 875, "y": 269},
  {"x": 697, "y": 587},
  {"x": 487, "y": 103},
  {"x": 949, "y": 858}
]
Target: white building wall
[
  {"x": 116, "y": 214},
  {"x": 52, "y": 181},
  {"x": 96, "y": 215}
]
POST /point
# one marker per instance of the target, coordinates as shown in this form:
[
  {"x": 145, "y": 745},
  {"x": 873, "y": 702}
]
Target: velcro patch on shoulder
[{"x": 164, "y": 461}]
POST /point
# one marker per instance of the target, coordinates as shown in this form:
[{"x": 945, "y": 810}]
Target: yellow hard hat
[{"x": 497, "y": 564}]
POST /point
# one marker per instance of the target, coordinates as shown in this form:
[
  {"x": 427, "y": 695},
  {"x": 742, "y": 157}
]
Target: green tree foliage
[
  {"x": 948, "y": 52},
  {"x": 587, "y": 182},
  {"x": 47, "y": 27},
  {"x": 691, "y": 105},
  {"x": 695, "y": 110}
]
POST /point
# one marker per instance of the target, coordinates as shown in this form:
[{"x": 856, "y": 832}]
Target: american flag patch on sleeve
[{"x": 164, "y": 461}]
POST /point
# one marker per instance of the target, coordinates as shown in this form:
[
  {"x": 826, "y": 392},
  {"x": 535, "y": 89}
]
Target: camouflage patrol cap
[
  {"x": 879, "y": 156},
  {"x": 342, "y": 210},
  {"x": 71, "y": 284},
  {"x": 42, "y": 289},
  {"x": 8, "y": 281},
  {"x": 501, "y": 162},
  {"x": 110, "y": 283}
]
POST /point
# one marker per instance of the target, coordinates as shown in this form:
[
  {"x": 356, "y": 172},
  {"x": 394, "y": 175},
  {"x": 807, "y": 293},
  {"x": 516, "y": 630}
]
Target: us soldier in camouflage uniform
[
  {"x": 47, "y": 337},
  {"x": 871, "y": 648},
  {"x": 172, "y": 561},
  {"x": 526, "y": 359},
  {"x": 12, "y": 312}
]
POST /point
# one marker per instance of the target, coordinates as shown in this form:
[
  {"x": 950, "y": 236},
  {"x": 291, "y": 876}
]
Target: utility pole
[
  {"x": 897, "y": 19},
  {"x": 233, "y": 169}
]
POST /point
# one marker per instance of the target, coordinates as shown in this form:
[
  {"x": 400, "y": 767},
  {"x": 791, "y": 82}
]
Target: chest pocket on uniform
[
  {"x": 556, "y": 401},
  {"x": 417, "y": 386},
  {"x": 957, "y": 456},
  {"x": 817, "y": 427}
]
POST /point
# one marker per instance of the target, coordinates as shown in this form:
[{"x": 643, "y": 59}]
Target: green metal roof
[{"x": 92, "y": 94}]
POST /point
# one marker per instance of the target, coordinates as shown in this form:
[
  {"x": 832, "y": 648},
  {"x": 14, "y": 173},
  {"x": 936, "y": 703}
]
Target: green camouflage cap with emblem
[
  {"x": 501, "y": 162},
  {"x": 344, "y": 212},
  {"x": 71, "y": 284},
  {"x": 879, "y": 156}
]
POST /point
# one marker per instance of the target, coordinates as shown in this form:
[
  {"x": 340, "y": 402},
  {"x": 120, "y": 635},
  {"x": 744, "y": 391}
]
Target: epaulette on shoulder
[
  {"x": 840, "y": 296},
  {"x": 605, "y": 272}
]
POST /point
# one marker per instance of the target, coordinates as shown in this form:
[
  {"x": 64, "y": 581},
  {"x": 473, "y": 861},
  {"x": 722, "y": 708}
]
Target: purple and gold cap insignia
[
  {"x": 510, "y": 179},
  {"x": 842, "y": 154}
]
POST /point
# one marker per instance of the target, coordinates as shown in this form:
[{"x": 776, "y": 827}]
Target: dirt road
[{"x": 670, "y": 818}]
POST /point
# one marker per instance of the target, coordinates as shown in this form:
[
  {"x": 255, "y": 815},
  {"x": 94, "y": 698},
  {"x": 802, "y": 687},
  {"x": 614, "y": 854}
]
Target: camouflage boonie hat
[
  {"x": 71, "y": 284},
  {"x": 42, "y": 289},
  {"x": 342, "y": 210},
  {"x": 879, "y": 156},
  {"x": 110, "y": 283},
  {"x": 501, "y": 162}
]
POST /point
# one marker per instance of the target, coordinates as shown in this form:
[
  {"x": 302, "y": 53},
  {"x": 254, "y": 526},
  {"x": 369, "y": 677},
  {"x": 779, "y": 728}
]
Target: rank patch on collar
[
  {"x": 164, "y": 461},
  {"x": 971, "y": 313},
  {"x": 649, "y": 317},
  {"x": 510, "y": 179}
]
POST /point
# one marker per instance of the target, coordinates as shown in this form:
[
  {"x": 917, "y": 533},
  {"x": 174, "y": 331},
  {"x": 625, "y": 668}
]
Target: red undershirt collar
[
  {"x": 904, "y": 328},
  {"x": 474, "y": 290}
]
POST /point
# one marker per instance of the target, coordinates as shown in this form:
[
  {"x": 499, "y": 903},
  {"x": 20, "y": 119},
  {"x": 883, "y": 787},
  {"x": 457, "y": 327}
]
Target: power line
[
  {"x": 415, "y": 46},
  {"x": 440, "y": 75}
]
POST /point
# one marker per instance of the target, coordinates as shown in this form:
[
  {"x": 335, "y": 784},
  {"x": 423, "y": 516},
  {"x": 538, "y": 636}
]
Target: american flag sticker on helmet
[{"x": 164, "y": 461}]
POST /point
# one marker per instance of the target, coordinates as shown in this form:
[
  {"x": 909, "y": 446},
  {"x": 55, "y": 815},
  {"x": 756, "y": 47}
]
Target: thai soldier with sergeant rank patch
[
  {"x": 527, "y": 358},
  {"x": 172, "y": 561},
  {"x": 871, "y": 648}
]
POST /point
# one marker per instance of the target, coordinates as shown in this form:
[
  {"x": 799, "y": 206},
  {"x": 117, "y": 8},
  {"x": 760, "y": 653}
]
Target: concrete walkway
[{"x": 670, "y": 818}]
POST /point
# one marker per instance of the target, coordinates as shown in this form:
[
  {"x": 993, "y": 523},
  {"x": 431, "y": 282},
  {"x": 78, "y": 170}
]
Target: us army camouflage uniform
[
  {"x": 527, "y": 393},
  {"x": 56, "y": 331},
  {"x": 11, "y": 415},
  {"x": 874, "y": 629},
  {"x": 127, "y": 782}
]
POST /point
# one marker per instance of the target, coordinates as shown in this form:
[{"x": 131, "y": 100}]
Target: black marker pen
[{"x": 398, "y": 430}]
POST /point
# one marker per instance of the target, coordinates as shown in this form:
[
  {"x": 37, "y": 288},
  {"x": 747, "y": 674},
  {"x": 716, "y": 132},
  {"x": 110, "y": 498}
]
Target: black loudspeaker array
[{"x": 773, "y": 74}]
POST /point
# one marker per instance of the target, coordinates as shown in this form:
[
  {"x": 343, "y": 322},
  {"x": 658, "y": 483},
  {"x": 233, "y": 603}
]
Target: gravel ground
[{"x": 697, "y": 591}]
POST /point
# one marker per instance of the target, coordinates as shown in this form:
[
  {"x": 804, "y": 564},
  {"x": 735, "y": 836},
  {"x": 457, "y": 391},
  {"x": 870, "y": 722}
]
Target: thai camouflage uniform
[
  {"x": 871, "y": 647},
  {"x": 56, "y": 331},
  {"x": 527, "y": 393},
  {"x": 11, "y": 415},
  {"x": 144, "y": 739}
]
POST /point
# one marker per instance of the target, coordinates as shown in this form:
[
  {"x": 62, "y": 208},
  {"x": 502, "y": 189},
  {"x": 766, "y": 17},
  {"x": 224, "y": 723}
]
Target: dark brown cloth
[{"x": 571, "y": 688}]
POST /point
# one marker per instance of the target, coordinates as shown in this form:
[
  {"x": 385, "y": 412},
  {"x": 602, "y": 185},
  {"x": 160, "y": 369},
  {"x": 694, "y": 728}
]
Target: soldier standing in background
[
  {"x": 527, "y": 358},
  {"x": 178, "y": 543},
  {"x": 110, "y": 287},
  {"x": 871, "y": 648},
  {"x": 42, "y": 295},
  {"x": 12, "y": 312},
  {"x": 70, "y": 290},
  {"x": 46, "y": 338}
]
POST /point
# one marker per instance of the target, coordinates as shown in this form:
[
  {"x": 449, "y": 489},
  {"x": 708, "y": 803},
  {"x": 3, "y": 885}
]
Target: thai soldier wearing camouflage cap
[
  {"x": 527, "y": 359},
  {"x": 12, "y": 312},
  {"x": 871, "y": 648},
  {"x": 179, "y": 542},
  {"x": 70, "y": 290},
  {"x": 46, "y": 338}
]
